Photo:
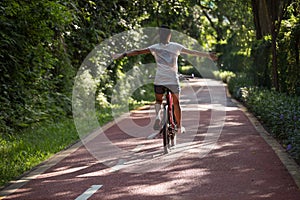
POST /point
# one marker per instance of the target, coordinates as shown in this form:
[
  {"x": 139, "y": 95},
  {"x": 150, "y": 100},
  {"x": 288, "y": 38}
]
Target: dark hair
[{"x": 164, "y": 32}]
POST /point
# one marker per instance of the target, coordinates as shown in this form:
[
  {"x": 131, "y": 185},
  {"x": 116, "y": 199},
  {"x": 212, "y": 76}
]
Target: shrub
[
  {"x": 189, "y": 70},
  {"x": 225, "y": 76},
  {"x": 238, "y": 85},
  {"x": 279, "y": 112}
]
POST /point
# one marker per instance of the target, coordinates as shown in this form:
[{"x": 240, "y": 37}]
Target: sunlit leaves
[{"x": 32, "y": 49}]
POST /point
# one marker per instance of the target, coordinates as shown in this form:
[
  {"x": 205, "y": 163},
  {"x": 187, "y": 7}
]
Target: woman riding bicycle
[{"x": 166, "y": 55}]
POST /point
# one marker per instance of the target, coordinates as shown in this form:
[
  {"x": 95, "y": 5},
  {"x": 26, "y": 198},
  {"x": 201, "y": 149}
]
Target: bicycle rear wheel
[
  {"x": 172, "y": 132},
  {"x": 166, "y": 136}
]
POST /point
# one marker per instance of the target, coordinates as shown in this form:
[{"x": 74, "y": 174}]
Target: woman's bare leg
[
  {"x": 159, "y": 99},
  {"x": 177, "y": 109}
]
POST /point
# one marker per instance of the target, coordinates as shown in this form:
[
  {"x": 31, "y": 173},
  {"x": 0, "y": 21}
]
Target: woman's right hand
[
  {"x": 117, "y": 56},
  {"x": 213, "y": 56}
]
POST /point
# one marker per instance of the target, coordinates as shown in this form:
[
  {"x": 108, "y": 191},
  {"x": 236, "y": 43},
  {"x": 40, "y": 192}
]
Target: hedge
[{"x": 279, "y": 112}]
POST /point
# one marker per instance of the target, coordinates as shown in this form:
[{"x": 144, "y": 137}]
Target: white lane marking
[
  {"x": 89, "y": 192},
  {"x": 118, "y": 166},
  {"x": 137, "y": 148},
  {"x": 152, "y": 136},
  {"x": 200, "y": 90},
  {"x": 15, "y": 185}
]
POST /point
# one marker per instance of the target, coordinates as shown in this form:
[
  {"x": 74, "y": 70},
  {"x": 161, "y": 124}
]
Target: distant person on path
[{"x": 166, "y": 55}]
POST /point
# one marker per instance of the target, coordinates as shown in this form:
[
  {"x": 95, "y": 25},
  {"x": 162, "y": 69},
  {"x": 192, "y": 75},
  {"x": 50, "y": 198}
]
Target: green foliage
[
  {"x": 276, "y": 55},
  {"x": 281, "y": 115},
  {"x": 44, "y": 42},
  {"x": 238, "y": 85},
  {"x": 225, "y": 76},
  {"x": 59, "y": 35},
  {"x": 260, "y": 71},
  {"x": 189, "y": 70},
  {"x": 232, "y": 26},
  {"x": 32, "y": 57},
  {"x": 288, "y": 53},
  {"x": 144, "y": 93}
]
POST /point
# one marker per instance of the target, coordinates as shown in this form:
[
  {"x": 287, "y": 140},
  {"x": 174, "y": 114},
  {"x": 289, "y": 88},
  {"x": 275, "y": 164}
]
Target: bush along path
[{"x": 279, "y": 112}]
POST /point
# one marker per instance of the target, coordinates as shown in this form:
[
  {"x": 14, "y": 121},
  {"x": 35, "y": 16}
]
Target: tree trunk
[
  {"x": 274, "y": 15},
  {"x": 255, "y": 10},
  {"x": 267, "y": 19},
  {"x": 274, "y": 60}
]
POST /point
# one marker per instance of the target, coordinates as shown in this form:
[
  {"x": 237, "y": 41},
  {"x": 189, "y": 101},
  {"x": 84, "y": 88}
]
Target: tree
[
  {"x": 268, "y": 15},
  {"x": 32, "y": 55},
  {"x": 231, "y": 25}
]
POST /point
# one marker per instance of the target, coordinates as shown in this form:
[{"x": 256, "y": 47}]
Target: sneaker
[
  {"x": 173, "y": 141},
  {"x": 156, "y": 124},
  {"x": 181, "y": 130}
]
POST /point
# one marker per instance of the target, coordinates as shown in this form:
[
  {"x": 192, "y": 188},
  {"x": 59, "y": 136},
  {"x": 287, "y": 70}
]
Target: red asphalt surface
[{"x": 240, "y": 166}]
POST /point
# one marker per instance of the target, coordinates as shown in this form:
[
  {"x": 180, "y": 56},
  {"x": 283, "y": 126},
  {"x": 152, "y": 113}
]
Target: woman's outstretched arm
[
  {"x": 211, "y": 56},
  {"x": 131, "y": 53}
]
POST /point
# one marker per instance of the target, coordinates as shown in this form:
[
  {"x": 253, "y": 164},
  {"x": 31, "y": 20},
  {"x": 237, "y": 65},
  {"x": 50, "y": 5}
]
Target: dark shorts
[{"x": 161, "y": 89}]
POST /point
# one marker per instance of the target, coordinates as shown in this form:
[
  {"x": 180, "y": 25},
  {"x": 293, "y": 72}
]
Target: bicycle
[
  {"x": 168, "y": 129},
  {"x": 169, "y": 125}
]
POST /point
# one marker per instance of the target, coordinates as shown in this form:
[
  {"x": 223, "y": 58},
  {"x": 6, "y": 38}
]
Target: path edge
[
  {"x": 290, "y": 164},
  {"x": 12, "y": 186}
]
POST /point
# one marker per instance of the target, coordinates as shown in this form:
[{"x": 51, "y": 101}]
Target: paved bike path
[{"x": 240, "y": 165}]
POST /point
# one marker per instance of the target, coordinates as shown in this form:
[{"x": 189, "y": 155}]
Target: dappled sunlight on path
[{"x": 237, "y": 164}]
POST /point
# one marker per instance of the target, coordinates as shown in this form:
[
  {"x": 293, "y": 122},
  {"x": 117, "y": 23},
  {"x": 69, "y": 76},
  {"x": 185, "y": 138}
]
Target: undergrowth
[{"x": 278, "y": 112}]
